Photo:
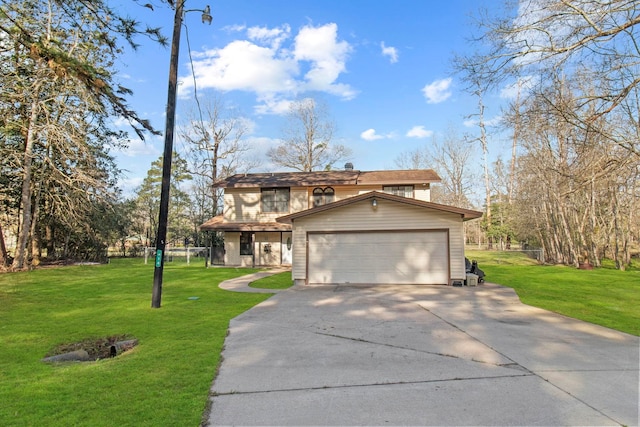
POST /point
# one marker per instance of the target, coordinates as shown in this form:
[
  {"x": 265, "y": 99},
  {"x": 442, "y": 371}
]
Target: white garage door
[{"x": 379, "y": 257}]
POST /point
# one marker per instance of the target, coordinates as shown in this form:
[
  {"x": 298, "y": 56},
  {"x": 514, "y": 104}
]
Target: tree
[
  {"x": 215, "y": 150},
  {"x": 577, "y": 189},
  {"x": 478, "y": 84},
  {"x": 59, "y": 88},
  {"x": 541, "y": 37},
  {"x": 451, "y": 159},
  {"x": 307, "y": 139},
  {"x": 148, "y": 201}
]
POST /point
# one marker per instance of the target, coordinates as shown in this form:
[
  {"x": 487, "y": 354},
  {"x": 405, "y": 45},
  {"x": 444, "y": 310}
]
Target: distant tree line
[{"x": 571, "y": 186}]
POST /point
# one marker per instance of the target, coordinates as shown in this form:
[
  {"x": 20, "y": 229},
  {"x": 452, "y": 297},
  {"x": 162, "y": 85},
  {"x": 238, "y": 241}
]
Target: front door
[{"x": 287, "y": 245}]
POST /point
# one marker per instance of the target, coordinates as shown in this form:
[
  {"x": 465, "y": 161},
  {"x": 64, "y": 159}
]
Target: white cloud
[
  {"x": 488, "y": 122},
  {"x": 438, "y": 91},
  {"x": 389, "y": 51},
  {"x": 272, "y": 105},
  {"x": 130, "y": 185},
  {"x": 137, "y": 147},
  {"x": 370, "y": 135},
  {"x": 419, "y": 132},
  {"x": 523, "y": 85},
  {"x": 234, "y": 28},
  {"x": 242, "y": 65},
  {"x": 273, "y": 37},
  {"x": 328, "y": 57},
  {"x": 273, "y": 69}
]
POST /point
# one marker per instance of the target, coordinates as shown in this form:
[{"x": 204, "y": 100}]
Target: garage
[
  {"x": 379, "y": 238},
  {"x": 379, "y": 257}
]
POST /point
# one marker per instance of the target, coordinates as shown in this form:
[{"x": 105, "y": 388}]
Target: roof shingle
[{"x": 346, "y": 177}]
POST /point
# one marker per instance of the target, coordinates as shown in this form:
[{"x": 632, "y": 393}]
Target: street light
[{"x": 161, "y": 238}]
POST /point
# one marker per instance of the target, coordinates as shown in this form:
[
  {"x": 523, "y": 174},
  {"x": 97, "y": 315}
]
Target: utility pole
[
  {"x": 161, "y": 239},
  {"x": 166, "y": 158}
]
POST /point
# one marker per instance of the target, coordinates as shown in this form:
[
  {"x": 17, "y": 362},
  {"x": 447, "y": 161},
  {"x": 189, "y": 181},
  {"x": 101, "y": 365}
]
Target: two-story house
[{"x": 344, "y": 226}]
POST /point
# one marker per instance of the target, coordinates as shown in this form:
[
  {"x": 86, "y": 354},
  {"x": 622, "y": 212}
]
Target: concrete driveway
[{"x": 421, "y": 355}]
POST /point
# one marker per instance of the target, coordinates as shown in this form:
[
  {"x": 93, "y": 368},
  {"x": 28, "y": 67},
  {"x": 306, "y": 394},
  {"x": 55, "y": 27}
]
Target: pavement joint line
[
  {"x": 329, "y": 387},
  {"x": 536, "y": 374},
  {"x": 587, "y": 370},
  {"x": 474, "y": 338},
  {"x": 399, "y": 347},
  {"x": 568, "y": 393}
]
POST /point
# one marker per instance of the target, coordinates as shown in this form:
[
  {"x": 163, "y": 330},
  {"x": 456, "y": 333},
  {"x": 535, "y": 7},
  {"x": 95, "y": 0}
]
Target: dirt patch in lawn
[{"x": 91, "y": 349}]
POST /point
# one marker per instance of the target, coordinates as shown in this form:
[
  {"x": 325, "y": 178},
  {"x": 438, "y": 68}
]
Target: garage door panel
[{"x": 405, "y": 258}]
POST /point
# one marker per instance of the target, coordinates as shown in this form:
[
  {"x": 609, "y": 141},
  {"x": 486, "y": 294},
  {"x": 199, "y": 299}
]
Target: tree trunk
[
  {"x": 487, "y": 184},
  {"x": 25, "y": 229},
  {"x": 4, "y": 257}
]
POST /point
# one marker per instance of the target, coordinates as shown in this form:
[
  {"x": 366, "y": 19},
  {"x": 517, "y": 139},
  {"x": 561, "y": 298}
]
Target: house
[{"x": 345, "y": 226}]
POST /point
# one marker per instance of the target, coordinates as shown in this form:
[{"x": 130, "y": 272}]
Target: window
[
  {"x": 246, "y": 248},
  {"x": 322, "y": 196},
  {"x": 275, "y": 200},
  {"x": 399, "y": 190}
]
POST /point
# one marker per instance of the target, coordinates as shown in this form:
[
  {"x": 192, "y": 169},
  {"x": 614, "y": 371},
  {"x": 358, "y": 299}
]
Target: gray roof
[{"x": 343, "y": 177}]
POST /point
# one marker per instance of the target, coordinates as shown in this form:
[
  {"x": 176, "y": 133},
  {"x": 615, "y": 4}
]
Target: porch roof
[{"x": 217, "y": 223}]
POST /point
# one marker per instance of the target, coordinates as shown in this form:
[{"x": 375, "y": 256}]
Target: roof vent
[{"x": 348, "y": 166}]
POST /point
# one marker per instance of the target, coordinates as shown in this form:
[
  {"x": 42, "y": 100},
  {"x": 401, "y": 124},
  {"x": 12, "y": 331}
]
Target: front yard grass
[
  {"x": 603, "y": 296},
  {"x": 163, "y": 381},
  {"x": 276, "y": 281}
]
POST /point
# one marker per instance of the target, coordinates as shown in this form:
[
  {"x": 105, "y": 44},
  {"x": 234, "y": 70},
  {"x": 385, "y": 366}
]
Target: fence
[
  {"x": 536, "y": 254},
  {"x": 177, "y": 254}
]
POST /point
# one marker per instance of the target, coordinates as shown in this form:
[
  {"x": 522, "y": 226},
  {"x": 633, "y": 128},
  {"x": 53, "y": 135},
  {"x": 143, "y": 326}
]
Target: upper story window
[
  {"x": 275, "y": 200},
  {"x": 322, "y": 196},
  {"x": 399, "y": 190}
]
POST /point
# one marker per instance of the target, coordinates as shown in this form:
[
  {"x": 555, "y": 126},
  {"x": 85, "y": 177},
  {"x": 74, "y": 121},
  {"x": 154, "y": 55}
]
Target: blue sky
[{"x": 383, "y": 68}]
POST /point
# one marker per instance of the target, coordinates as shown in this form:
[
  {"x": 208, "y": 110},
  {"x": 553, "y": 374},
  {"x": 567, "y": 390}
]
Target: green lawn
[
  {"x": 163, "y": 381},
  {"x": 277, "y": 281},
  {"x": 603, "y": 296}
]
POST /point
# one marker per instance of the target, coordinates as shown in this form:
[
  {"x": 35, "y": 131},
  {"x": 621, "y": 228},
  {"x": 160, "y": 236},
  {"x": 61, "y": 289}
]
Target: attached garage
[
  {"x": 379, "y": 238},
  {"x": 379, "y": 257}
]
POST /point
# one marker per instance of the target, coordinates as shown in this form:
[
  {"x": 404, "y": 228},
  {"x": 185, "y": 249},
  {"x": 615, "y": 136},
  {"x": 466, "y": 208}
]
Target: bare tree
[
  {"x": 541, "y": 37},
  {"x": 307, "y": 142},
  {"x": 577, "y": 190},
  {"x": 216, "y": 148},
  {"x": 451, "y": 159},
  {"x": 478, "y": 82}
]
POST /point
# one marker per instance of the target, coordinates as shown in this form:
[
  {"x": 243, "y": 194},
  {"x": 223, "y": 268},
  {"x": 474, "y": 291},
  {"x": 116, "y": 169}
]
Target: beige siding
[
  {"x": 387, "y": 216},
  {"x": 299, "y": 199},
  {"x": 422, "y": 193},
  {"x": 267, "y": 248},
  {"x": 243, "y": 204}
]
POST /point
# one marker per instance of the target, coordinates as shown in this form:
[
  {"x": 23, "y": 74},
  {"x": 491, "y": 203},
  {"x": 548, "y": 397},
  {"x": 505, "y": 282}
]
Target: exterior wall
[
  {"x": 243, "y": 204},
  {"x": 232, "y": 251},
  {"x": 422, "y": 193},
  {"x": 299, "y": 199},
  {"x": 387, "y": 216},
  {"x": 266, "y": 247}
]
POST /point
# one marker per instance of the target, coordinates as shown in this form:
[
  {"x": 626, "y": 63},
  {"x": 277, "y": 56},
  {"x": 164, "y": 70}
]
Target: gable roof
[
  {"x": 467, "y": 214},
  {"x": 343, "y": 177}
]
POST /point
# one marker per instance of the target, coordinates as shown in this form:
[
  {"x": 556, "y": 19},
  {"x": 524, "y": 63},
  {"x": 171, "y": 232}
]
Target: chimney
[{"x": 348, "y": 166}]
